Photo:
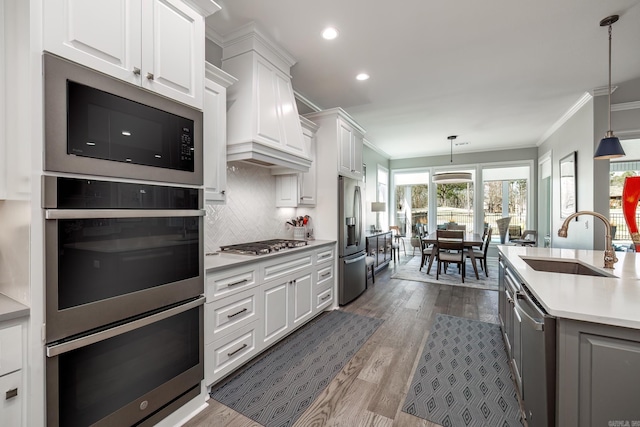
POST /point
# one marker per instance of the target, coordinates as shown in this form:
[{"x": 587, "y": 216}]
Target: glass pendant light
[{"x": 609, "y": 146}]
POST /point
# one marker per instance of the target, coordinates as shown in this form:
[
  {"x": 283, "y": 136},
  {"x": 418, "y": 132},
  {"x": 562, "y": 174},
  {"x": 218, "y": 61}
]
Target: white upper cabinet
[
  {"x": 156, "y": 44},
  {"x": 263, "y": 122},
  {"x": 340, "y": 137},
  {"x": 215, "y": 132},
  {"x": 308, "y": 180}
]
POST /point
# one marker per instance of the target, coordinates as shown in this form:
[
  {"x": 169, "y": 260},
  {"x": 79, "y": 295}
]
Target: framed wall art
[{"x": 568, "y": 187}]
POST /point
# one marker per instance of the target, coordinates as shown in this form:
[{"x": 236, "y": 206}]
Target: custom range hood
[{"x": 263, "y": 125}]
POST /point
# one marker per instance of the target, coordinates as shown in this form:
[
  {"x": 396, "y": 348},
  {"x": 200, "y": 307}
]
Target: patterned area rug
[
  {"x": 276, "y": 388},
  {"x": 463, "y": 377},
  {"x": 410, "y": 271}
]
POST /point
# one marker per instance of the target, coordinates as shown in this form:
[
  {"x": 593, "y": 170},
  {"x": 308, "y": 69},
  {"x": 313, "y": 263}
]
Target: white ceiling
[{"x": 498, "y": 73}]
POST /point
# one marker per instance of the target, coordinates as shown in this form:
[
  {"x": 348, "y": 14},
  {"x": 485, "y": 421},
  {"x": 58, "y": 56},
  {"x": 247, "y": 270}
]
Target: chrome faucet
[{"x": 609, "y": 254}]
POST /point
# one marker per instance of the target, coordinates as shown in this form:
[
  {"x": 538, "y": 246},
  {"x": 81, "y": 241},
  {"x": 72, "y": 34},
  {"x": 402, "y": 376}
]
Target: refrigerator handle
[
  {"x": 351, "y": 261},
  {"x": 357, "y": 209}
]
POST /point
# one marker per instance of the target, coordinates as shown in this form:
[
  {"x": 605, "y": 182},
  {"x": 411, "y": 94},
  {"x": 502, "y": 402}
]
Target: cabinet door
[
  {"x": 356, "y": 155},
  {"x": 173, "y": 50},
  {"x": 11, "y": 393},
  {"x": 287, "y": 191},
  {"x": 307, "y": 180},
  {"x": 302, "y": 296},
  {"x": 215, "y": 141},
  {"x": 276, "y": 310},
  {"x": 101, "y": 34},
  {"x": 345, "y": 135}
]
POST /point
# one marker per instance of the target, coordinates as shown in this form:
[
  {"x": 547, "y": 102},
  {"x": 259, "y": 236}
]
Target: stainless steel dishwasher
[{"x": 538, "y": 353}]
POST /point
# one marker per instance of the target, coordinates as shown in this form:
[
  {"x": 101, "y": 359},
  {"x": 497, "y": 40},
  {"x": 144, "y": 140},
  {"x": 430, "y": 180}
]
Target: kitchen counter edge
[
  {"x": 11, "y": 309},
  {"x": 222, "y": 260},
  {"x": 605, "y": 300}
]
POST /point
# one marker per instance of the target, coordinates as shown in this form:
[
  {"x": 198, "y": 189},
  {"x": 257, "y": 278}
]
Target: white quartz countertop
[
  {"x": 11, "y": 309},
  {"x": 606, "y": 300},
  {"x": 224, "y": 260}
]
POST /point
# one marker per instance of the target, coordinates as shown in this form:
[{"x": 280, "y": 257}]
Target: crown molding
[
  {"x": 604, "y": 90},
  {"x": 623, "y": 106},
  {"x": 204, "y": 7},
  {"x": 586, "y": 97},
  {"x": 251, "y": 37},
  {"x": 217, "y": 75},
  {"x": 376, "y": 149},
  {"x": 213, "y": 35},
  {"x": 306, "y": 101}
]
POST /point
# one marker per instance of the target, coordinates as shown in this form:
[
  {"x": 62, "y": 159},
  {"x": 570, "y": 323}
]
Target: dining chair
[
  {"x": 481, "y": 254},
  {"x": 450, "y": 250},
  {"x": 426, "y": 250},
  {"x": 398, "y": 238},
  {"x": 370, "y": 262}
]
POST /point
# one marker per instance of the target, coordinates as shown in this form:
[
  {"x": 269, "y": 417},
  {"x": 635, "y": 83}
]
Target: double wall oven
[{"x": 124, "y": 266}]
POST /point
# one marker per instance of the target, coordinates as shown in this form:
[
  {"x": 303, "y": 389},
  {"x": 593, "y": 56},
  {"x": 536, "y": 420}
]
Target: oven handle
[
  {"x": 119, "y": 213},
  {"x": 57, "y": 349}
]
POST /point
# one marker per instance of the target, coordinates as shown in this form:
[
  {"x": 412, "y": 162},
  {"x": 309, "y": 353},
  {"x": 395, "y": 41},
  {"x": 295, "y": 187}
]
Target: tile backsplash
[{"x": 250, "y": 213}]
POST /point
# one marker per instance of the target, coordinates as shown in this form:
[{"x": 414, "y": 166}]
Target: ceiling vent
[{"x": 263, "y": 125}]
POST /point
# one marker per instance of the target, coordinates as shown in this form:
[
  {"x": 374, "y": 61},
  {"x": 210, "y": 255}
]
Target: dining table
[{"x": 470, "y": 241}]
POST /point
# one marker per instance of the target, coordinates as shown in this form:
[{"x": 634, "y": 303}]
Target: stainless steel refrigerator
[{"x": 352, "y": 271}]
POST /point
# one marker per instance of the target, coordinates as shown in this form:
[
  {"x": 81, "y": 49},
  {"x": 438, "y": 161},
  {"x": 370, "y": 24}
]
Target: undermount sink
[{"x": 564, "y": 266}]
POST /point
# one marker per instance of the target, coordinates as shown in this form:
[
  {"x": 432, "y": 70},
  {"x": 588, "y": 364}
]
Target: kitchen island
[{"x": 593, "y": 335}]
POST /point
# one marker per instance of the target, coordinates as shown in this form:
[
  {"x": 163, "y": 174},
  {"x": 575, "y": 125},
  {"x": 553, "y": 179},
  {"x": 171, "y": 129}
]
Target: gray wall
[
  {"x": 213, "y": 53},
  {"x": 467, "y": 158},
  {"x": 582, "y": 133},
  {"x": 372, "y": 159}
]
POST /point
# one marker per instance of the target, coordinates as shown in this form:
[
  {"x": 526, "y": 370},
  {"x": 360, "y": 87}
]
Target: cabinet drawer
[
  {"x": 324, "y": 275},
  {"x": 229, "y": 352},
  {"x": 284, "y": 266},
  {"x": 11, "y": 399},
  {"x": 228, "y": 282},
  {"x": 229, "y": 314},
  {"x": 324, "y": 255},
  {"x": 10, "y": 349},
  {"x": 324, "y": 298}
]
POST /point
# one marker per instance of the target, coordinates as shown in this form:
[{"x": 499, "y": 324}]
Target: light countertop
[
  {"x": 607, "y": 300},
  {"x": 224, "y": 260},
  {"x": 11, "y": 309}
]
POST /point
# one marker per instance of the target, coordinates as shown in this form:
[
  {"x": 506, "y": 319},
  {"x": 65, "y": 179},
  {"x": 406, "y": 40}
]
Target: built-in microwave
[{"x": 97, "y": 125}]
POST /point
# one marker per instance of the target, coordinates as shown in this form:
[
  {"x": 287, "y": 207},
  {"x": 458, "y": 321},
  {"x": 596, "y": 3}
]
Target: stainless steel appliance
[
  {"x": 351, "y": 241},
  {"x": 263, "y": 247},
  {"x": 97, "y": 125},
  {"x": 124, "y": 284},
  {"x": 538, "y": 360}
]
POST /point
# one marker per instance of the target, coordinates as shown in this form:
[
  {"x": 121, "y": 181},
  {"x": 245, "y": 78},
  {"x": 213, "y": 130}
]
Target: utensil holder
[{"x": 299, "y": 233}]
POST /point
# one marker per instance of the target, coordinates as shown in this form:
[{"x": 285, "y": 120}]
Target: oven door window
[
  {"x": 104, "y": 258},
  {"x": 101, "y": 378}
]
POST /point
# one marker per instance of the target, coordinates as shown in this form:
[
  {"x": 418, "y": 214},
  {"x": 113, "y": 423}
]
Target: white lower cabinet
[
  {"x": 11, "y": 387},
  {"x": 251, "y": 307}
]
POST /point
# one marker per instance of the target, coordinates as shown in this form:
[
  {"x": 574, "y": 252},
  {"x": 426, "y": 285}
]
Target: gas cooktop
[{"x": 263, "y": 247}]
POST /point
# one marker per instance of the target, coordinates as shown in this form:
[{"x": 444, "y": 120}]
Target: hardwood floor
[{"x": 371, "y": 388}]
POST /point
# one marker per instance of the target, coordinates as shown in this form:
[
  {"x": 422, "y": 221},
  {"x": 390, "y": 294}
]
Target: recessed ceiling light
[
  {"x": 362, "y": 76},
  {"x": 329, "y": 33}
]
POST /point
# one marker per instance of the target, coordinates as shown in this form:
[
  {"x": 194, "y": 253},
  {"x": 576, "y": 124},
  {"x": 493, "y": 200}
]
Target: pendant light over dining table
[
  {"x": 451, "y": 177},
  {"x": 609, "y": 146}
]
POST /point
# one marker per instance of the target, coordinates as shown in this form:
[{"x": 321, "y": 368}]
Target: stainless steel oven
[
  {"x": 124, "y": 300},
  {"x": 97, "y": 125},
  {"x": 130, "y": 373},
  {"x": 115, "y": 250}
]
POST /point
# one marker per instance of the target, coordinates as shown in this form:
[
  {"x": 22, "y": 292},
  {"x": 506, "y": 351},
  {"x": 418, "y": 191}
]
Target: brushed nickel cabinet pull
[
  {"x": 325, "y": 256},
  {"x": 240, "y": 282},
  {"x": 11, "y": 393},
  {"x": 136, "y": 71},
  {"x": 149, "y": 76},
  {"x": 235, "y": 314},
  {"x": 234, "y": 352},
  {"x": 327, "y": 274},
  {"x": 326, "y": 297}
]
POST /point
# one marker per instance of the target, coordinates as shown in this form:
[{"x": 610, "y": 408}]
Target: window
[
  {"x": 506, "y": 194},
  {"x": 383, "y": 192},
  {"x": 411, "y": 205},
  {"x": 455, "y": 203}
]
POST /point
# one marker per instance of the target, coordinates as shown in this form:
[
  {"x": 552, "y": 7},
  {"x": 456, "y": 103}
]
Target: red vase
[{"x": 630, "y": 196}]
